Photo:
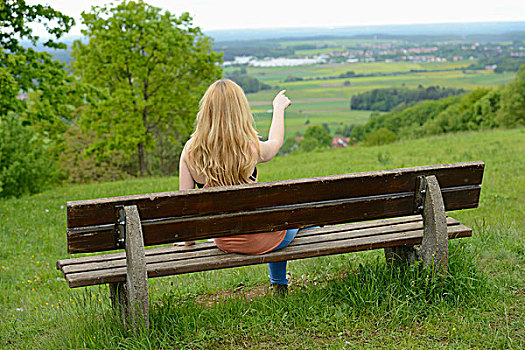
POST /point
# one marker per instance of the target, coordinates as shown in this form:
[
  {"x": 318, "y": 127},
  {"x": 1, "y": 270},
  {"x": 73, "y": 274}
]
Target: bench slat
[
  {"x": 355, "y": 240},
  {"x": 202, "y": 246},
  {"x": 300, "y": 252},
  {"x": 312, "y": 236},
  {"x": 230, "y": 199},
  {"x": 271, "y": 219}
]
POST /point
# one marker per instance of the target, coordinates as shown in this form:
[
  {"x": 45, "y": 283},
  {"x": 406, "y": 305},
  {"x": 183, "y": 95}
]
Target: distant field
[
  {"x": 297, "y": 122},
  {"x": 331, "y": 99}
]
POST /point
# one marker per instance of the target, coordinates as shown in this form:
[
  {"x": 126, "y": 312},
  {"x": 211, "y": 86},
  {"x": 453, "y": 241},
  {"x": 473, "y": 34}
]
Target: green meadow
[
  {"x": 328, "y": 100},
  {"x": 341, "y": 302}
]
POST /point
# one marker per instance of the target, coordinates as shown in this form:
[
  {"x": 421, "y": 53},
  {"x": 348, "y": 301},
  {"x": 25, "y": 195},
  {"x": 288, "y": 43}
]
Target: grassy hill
[{"x": 345, "y": 301}]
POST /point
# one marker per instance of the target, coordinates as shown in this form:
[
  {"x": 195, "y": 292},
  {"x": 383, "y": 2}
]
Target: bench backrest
[{"x": 223, "y": 211}]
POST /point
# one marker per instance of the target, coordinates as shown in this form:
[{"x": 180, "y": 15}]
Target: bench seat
[{"x": 334, "y": 239}]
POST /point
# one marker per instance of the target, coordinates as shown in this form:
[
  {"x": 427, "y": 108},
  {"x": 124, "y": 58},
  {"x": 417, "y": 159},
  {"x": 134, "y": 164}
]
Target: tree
[
  {"x": 319, "y": 133},
  {"x": 316, "y": 136},
  {"x": 29, "y": 126},
  {"x": 24, "y": 69},
  {"x": 154, "y": 66}
]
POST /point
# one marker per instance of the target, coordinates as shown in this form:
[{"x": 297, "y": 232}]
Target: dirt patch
[
  {"x": 251, "y": 293},
  {"x": 247, "y": 293}
]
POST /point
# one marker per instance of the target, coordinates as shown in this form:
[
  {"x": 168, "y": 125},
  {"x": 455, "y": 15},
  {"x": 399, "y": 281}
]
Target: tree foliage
[
  {"x": 34, "y": 97},
  {"x": 153, "y": 66},
  {"x": 316, "y": 136},
  {"x": 380, "y": 136},
  {"x": 482, "y": 108},
  {"x": 386, "y": 99},
  {"x": 512, "y": 112},
  {"x": 25, "y": 165},
  {"x": 24, "y": 69},
  {"x": 249, "y": 84}
]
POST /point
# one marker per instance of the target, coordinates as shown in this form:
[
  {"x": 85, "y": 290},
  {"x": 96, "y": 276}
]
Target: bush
[
  {"x": 25, "y": 165},
  {"x": 82, "y": 164},
  {"x": 289, "y": 145},
  {"x": 380, "y": 137},
  {"x": 316, "y": 136},
  {"x": 309, "y": 144},
  {"x": 318, "y": 133}
]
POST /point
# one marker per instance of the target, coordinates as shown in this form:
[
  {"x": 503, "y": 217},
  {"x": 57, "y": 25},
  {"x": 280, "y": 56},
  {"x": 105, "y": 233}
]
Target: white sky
[{"x": 238, "y": 14}]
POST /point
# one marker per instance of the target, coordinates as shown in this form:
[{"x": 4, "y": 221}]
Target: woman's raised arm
[{"x": 276, "y": 135}]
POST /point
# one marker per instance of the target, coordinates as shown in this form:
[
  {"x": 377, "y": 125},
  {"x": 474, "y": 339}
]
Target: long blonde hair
[{"x": 222, "y": 146}]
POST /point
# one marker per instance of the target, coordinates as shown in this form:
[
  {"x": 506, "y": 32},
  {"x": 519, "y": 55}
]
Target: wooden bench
[{"x": 401, "y": 208}]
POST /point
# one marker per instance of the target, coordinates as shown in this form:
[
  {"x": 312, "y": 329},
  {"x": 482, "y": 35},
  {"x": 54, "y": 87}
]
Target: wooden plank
[
  {"x": 311, "y": 236},
  {"x": 121, "y": 255},
  {"x": 228, "y": 199},
  {"x": 290, "y": 253},
  {"x": 82, "y": 240},
  {"x": 264, "y": 220},
  {"x": 200, "y": 246}
]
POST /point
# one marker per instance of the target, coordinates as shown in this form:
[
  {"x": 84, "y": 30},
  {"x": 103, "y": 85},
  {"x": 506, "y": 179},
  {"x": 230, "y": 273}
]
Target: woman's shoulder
[
  {"x": 186, "y": 148},
  {"x": 184, "y": 156},
  {"x": 187, "y": 144}
]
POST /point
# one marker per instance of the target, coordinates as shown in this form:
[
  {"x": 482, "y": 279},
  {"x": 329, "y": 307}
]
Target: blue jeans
[{"x": 278, "y": 269}]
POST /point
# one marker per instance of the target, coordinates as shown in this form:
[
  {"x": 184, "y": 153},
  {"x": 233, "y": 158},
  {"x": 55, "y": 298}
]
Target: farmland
[{"x": 317, "y": 100}]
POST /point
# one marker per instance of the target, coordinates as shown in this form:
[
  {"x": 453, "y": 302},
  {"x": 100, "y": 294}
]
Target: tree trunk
[
  {"x": 142, "y": 153},
  {"x": 142, "y": 161}
]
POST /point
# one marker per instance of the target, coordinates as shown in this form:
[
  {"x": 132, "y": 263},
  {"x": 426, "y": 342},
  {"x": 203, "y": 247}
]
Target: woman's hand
[
  {"x": 180, "y": 244},
  {"x": 281, "y": 101}
]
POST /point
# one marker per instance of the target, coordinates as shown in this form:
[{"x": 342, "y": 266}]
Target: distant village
[{"x": 390, "y": 52}]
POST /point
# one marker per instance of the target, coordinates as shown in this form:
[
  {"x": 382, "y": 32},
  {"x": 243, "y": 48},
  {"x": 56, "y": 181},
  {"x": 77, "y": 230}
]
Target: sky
[{"x": 244, "y": 14}]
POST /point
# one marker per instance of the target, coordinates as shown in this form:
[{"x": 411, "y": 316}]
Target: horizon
[
  {"x": 234, "y": 15},
  {"x": 444, "y": 28}
]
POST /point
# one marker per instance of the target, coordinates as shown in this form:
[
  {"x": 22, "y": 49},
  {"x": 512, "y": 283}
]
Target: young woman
[{"x": 224, "y": 150}]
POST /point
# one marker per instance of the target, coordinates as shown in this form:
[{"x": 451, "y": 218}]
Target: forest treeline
[
  {"x": 482, "y": 108},
  {"x": 387, "y": 98},
  {"x": 248, "y": 83}
]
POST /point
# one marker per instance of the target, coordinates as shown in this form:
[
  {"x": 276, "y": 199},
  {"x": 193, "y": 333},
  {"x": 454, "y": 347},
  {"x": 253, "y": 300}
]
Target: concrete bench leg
[
  {"x": 131, "y": 297},
  {"x": 404, "y": 255},
  {"x": 434, "y": 247}
]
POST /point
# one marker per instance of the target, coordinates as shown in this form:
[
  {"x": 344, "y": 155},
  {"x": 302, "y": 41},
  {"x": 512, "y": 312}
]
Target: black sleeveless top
[{"x": 252, "y": 177}]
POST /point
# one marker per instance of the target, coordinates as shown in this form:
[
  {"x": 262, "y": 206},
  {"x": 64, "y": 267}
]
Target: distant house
[{"x": 340, "y": 142}]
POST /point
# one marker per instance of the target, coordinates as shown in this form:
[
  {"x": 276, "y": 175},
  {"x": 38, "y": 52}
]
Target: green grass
[{"x": 344, "y": 301}]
